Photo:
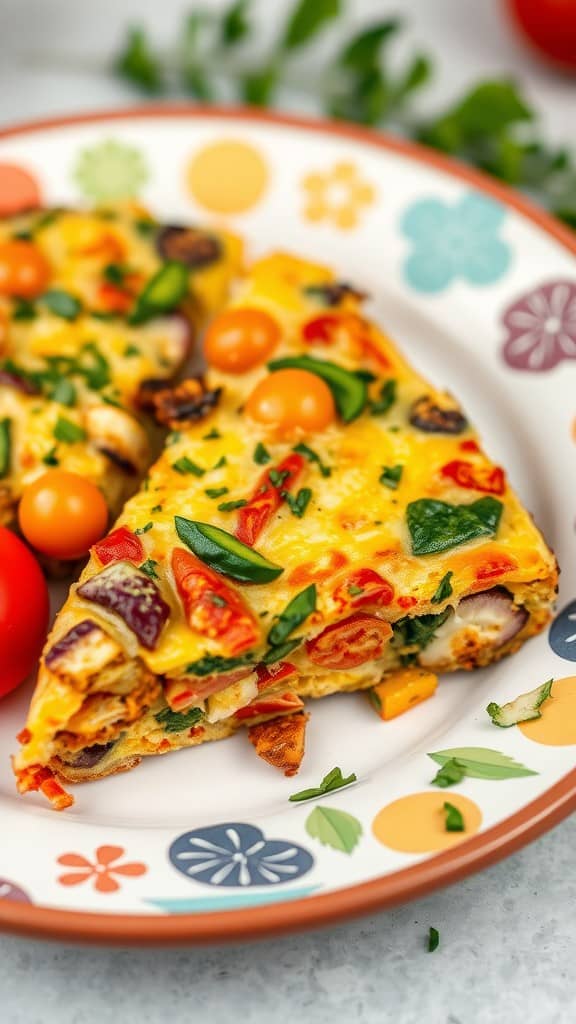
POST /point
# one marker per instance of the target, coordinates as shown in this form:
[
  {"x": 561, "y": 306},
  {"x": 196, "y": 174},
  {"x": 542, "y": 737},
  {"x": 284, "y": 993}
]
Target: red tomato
[
  {"x": 364, "y": 587},
  {"x": 549, "y": 26},
  {"x": 24, "y": 270},
  {"x": 62, "y": 515},
  {"x": 267, "y": 498},
  {"x": 119, "y": 546},
  {"x": 213, "y": 607},
  {"x": 23, "y": 611},
  {"x": 270, "y": 675},
  {"x": 350, "y": 643},
  {"x": 487, "y": 478},
  {"x": 273, "y": 706},
  {"x": 331, "y": 328}
]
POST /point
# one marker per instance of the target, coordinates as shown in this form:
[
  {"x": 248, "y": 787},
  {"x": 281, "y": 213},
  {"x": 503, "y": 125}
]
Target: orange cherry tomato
[
  {"x": 291, "y": 402},
  {"x": 62, "y": 515},
  {"x": 240, "y": 339},
  {"x": 24, "y": 270}
]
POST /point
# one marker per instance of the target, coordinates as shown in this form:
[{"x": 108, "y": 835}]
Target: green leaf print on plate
[
  {"x": 483, "y": 763},
  {"x": 109, "y": 171},
  {"x": 333, "y": 828}
]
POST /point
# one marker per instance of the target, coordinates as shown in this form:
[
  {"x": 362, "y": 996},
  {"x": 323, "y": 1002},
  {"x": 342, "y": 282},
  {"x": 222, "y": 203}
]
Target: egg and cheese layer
[
  {"x": 73, "y": 356},
  {"x": 395, "y": 498}
]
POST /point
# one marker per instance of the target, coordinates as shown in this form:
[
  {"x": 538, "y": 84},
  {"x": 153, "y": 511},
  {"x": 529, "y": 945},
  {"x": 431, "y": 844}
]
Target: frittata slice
[{"x": 334, "y": 520}]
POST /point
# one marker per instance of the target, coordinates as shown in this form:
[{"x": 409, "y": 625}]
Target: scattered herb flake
[
  {"x": 444, "y": 589},
  {"x": 261, "y": 454},
  {"x": 51, "y": 459},
  {"x": 277, "y": 477},
  {"x": 230, "y": 506},
  {"x": 23, "y": 309},
  {"x": 450, "y": 774},
  {"x": 299, "y": 503},
  {"x": 143, "y": 529},
  {"x": 332, "y": 781},
  {"x": 68, "y": 432},
  {"x": 156, "y": 508},
  {"x": 386, "y": 399},
  {"x": 280, "y": 651},
  {"x": 313, "y": 456},
  {"x": 184, "y": 465},
  {"x": 391, "y": 476},
  {"x": 62, "y": 304},
  {"x": 216, "y": 492},
  {"x": 213, "y": 664},
  {"x": 222, "y": 461},
  {"x": 149, "y": 567},
  {"x": 131, "y": 350},
  {"x": 294, "y": 614},
  {"x": 177, "y": 721},
  {"x": 433, "y": 939},
  {"x": 212, "y": 435}
]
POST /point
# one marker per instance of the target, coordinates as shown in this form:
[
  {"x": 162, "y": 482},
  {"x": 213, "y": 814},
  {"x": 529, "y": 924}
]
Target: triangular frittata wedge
[
  {"x": 333, "y": 520},
  {"x": 96, "y": 309}
]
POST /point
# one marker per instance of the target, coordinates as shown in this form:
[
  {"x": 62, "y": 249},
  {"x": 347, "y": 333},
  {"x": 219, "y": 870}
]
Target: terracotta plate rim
[{"x": 498, "y": 842}]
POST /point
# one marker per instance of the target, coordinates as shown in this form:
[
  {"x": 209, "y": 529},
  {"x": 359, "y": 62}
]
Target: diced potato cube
[{"x": 402, "y": 691}]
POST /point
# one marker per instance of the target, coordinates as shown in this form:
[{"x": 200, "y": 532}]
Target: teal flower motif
[
  {"x": 455, "y": 241},
  {"x": 110, "y": 171}
]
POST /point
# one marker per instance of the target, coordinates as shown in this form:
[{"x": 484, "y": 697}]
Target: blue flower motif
[
  {"x": 238, "y": 855},
  {"x": 562, "y": 636},
  {"x": 452, "y": 241}
]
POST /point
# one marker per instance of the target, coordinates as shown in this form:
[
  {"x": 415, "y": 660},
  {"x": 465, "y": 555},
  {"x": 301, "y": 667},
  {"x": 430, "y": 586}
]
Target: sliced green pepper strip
[
  {"x": 224, "y": 553},
  {"x": 350, "y": 391},
  {"x": 162, "y": 293},
  {"x": 5, "y": 447}
]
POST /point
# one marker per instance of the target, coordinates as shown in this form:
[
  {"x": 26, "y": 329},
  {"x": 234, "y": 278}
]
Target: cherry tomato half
[
  {"x": 240, "y": 339},
  {"x": 62, "y": 515},
  {"x": 350, "y": 643},
  {"x": 291, "y": 402},
  {"x": 23, "y": 611},
  {"x": 24, "y": 270}
]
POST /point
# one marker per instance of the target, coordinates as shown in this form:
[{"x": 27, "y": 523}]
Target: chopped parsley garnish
[
  {"x": 143, "y": 529},
  {"x": 23, "y": 309},
  {"x": 313, "y": 456},
  {"x": 115, "y": 273},
  {"x": 156, "y": 508},
  {"x": 454, "y": 820},
  {"x": 177, "y": 721},
  {"x": 149, "y": 567},
  {"x": 131, "y": 350},
  {"x": 261, "y": 454},
  {"x": 230, "y": 506},
  {"x": 185, "y": 465},
  {"x": 299, "y": 503},
  {"x": 277, "y": 477},
  {"x": 419, "y": 630},
  {"x": 63, "y": 392},
  {"x": 111, "y": 399},
  {"x": 391, "y": 476},
  {"x": 444, "y": 589},
  {"x": 386, "y": 399},
  {"x": 212, "y": 435},
  {"x": 332, "y": 781},
  {"x": 96, "y": 371},
  {"x": 220, "y": 602},
  {"x": 450, "y": 774},
  {"x": 145, "y": 227},
  {"x": 51, "y": 459},
  {"x": 174, "y": 437},
  {"x": 277, "y": 653},
  {"x": 5, "y": 446},
  {"x": 62, "y": 304},
  {"x": 216, "y": 492},
  {"x": 68, "y": 432},
  {"x": 433, "y": 939},
  {"x": 295, "y": 613},
  {"x": 212, "y": 664},
  {"x": 222, "y": 461}
]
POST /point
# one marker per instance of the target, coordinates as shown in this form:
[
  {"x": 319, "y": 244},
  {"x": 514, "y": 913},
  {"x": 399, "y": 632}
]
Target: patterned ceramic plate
[{"x": 480, "y": 291}]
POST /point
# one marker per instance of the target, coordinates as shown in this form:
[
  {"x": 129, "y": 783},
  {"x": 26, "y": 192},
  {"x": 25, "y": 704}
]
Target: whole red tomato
[
  {"x": 550, "y": 26},
  {"x": 24, "y": 610}
]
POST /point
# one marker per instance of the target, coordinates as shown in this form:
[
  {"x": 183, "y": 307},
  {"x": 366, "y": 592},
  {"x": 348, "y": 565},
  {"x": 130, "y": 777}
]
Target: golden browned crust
[{"x": 280, "y": 742}]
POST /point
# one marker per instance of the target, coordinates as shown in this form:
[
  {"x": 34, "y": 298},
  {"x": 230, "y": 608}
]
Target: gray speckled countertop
[
  {"x": 506, "y": 954},
  {"x": 507, "y": 936}
]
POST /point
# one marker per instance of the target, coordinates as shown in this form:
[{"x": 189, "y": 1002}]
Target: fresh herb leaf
[
  {"x": 363, "y": 49},
  {"x": 184, "y": 465},
  {"x": 174, "y": 437},
  {"x": 62, "y": 304},
  {"x": 231, "y": 506},
  {"x": 437, "y": 526},
  {"x": 235, "y": 25},
  {"x": 307, "y": 19},
  {"x": 433, "y": 939},
  {"x": 386, "y": 399},
  {"x": 524, "y": 708},
  {"x": 212, "y": 435},
  {"x": 115, "y": 273},
  {"x": 215, "y": 492},
  {"x": 391, "y": 476},
  {"x": 454, "y": 820},
  {"x": 93, "y": 366},
  {"x": 222, "y": 461},
  {"x": 138, "y": 64},
  {"x": 312, "y": 456},
  {"x": 299, "y": 503},
  {"x": 277, "y": 477},
  {"x": 418, "y": 630},
  {"x": 5, "y": 446},
  {"x": 281, "y": 651},
  {"x": 450, "y": 774},
  {"x": 213, "y": 664},
  {"x": 444, "y": 589},
  {"x": 149, "y": 567},
  {"x": 156, "y": 508},
  {"x": 332, "y": 781},
  {"x": 63, "y": 391},
  {"x": 261, "y": 454},
  {"x": 68, "y": 432},
  {"x": 295, "y": 613},
  {"x": 23, "y": 309},
  {"x": 51, "y": 459},
  {"x": 130, "y": 351},
  {"x": 177, "y": 721},
  {"x": 143, "y": 529}
]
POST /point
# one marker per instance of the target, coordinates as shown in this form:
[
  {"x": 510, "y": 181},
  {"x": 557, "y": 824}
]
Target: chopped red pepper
[
  {"x": 469, "y": 446},
  {"x": 274, "y": 706},
  {"x": 317, "y": 572},
  {"x": 496, "y": 567},
  {"x": 351, "y": 642},
  {"x": 406, "y": 601},
  {"x": 119, "y": 546},
  {"x": 325, "y": 330},
  {"x": 269, "y": 675},
  {"x": 267, "y": 498},
  {"x": 364, "y": 587},
  {"x": 113, "y": 299},
  {"x": 213, "y": 607},
  {"x": 489, "y": 479},
  {"x": 40, "y": 778}
]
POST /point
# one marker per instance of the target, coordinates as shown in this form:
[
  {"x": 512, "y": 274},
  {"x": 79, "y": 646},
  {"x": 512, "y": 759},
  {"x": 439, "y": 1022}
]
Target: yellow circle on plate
[
  {"x": 557, "y": 725},
  {"x": 417, "y": 823},
  {"x": 228, "y": 176}
]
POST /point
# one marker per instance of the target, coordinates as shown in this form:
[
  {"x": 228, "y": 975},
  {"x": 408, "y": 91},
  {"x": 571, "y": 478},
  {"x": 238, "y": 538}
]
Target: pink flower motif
[
  {"x": 102, "y": 871},
  {"x": 541, "y": 327}
]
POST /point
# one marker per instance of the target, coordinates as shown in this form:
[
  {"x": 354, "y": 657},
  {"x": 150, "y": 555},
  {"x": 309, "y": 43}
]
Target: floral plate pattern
[{"x": 481, "y": 295}]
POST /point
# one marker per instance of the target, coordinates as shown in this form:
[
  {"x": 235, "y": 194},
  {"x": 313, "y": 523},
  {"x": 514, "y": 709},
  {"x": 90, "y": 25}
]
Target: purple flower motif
[
  {"x": 9, "y": 891},
  {"x": 236, "y": 854},
  {"x": 541, "y": 327}
]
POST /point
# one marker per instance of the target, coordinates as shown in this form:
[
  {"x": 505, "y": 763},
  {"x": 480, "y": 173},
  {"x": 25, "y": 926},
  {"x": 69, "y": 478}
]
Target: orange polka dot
[
  {"x": 556, "y": 726},
  {"x": 19, "y": 190},
  {"x": 417, "y": 823},
  {"x": 228, "y": 176}
]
